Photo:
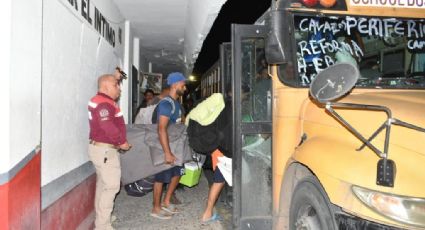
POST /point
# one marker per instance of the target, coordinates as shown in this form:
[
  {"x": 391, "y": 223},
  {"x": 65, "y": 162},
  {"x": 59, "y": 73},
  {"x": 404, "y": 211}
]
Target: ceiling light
[{"x": 192, "y": 78}]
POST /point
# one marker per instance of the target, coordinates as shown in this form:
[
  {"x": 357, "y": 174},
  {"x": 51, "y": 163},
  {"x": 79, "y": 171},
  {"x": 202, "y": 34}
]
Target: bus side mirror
[
  {"x": 334, "y": 82},
  {"x": 275, "y": 53}
]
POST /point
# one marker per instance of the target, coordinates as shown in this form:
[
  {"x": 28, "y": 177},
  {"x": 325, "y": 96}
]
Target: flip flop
[
  {"x": 161, "y": 215},
  {"x": 170, "y": 209},
  {"x": 215, "y": 217}
]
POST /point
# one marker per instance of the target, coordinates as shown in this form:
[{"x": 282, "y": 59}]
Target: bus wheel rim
[{"x": 307, "y": 219}]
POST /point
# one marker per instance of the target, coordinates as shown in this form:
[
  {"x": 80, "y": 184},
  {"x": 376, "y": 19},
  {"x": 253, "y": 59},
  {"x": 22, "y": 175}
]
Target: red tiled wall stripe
[
  {"x": 71, "y": 209},
  {"x": 20, "y": 198},
  {"x": 20, "y": 202}
]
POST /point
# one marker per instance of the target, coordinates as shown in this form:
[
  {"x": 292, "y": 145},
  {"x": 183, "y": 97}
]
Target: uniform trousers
[{"x": 108, "y": 176}]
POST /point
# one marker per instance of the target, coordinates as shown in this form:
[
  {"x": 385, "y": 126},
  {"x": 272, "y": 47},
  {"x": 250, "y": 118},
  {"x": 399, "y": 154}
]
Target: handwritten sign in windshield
[{"x": 324, "y": 41}]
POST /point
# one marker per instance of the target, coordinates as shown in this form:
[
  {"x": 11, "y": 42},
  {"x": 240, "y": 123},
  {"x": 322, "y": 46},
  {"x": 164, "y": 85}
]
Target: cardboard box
[{"x": 192, "y": 173}]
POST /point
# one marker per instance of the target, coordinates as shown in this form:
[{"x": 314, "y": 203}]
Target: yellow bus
[{"x": 350, "y": 154}]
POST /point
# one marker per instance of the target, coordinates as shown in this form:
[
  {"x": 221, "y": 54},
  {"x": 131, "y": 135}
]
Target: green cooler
[{"x": 192, "y": 173}]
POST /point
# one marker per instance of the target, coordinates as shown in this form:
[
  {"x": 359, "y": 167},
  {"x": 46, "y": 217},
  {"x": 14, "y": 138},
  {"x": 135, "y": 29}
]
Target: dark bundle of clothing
[{"x": 217, "y": 135}]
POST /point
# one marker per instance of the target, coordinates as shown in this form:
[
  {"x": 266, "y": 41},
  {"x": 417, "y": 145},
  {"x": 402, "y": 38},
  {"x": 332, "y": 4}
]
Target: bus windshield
[{"x": 389, "y": 52}]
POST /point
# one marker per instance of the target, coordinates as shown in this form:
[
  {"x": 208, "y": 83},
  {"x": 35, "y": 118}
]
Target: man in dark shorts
[
  {"x": 225, "y": 149},
  {"x": 168, "y": 112}
]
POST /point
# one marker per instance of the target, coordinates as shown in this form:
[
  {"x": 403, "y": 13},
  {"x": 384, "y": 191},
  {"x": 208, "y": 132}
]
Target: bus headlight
[{"x": 408, "y": 210}]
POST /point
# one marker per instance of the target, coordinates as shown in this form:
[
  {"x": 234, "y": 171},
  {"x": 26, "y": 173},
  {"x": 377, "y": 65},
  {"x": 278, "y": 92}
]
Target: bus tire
[{"x": 310, "y": 207}]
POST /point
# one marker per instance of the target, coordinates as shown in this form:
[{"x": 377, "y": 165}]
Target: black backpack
[
  {"x": 140, "y": 187},
  {"x": 218, "y": 135},
  {"x": 203, "y": 139}
]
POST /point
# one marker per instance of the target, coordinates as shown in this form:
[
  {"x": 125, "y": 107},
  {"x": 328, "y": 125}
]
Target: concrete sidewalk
[{"x": 134, "y": 212}]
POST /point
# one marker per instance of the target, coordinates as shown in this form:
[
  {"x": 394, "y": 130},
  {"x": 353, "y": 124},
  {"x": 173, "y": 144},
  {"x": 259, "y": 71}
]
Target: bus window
[
  {"x": 257, "y": 174},
  {"x": 389, "y": 52},
  {"x": 255, "y": 80}
]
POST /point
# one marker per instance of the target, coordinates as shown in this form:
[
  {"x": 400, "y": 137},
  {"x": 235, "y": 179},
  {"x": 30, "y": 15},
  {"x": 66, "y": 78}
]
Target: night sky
[{"x": 233, "y": 11}]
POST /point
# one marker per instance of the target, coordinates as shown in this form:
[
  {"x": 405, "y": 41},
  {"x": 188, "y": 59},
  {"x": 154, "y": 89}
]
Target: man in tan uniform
[{"x": 107, "y": 137}]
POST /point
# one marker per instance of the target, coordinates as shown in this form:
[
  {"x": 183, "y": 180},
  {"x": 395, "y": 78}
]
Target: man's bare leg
[
  {"x": 171, "y": 188},
  {"x": 213, "y": 194},
  {"x": 157, "y": 193}
]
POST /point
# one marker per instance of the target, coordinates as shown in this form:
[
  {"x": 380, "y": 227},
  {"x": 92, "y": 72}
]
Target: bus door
[{"x": 251, "y": 91}]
